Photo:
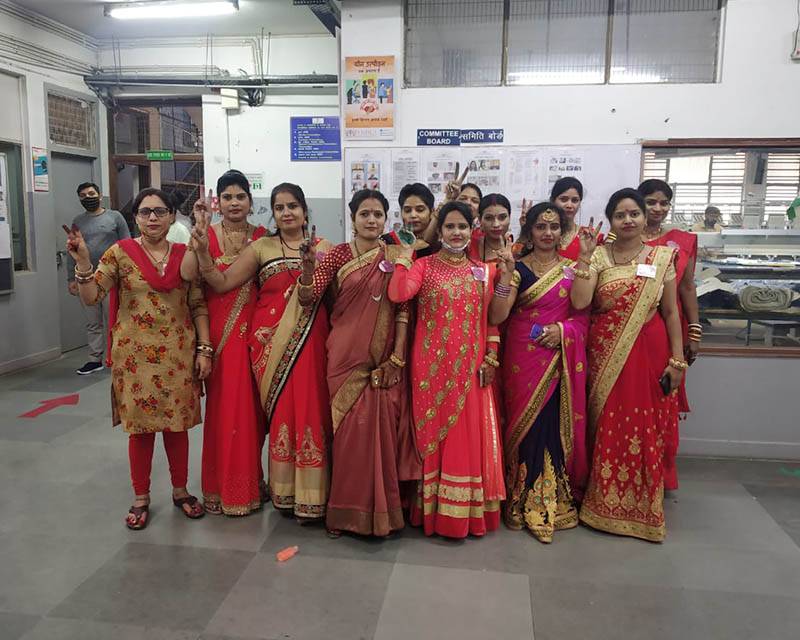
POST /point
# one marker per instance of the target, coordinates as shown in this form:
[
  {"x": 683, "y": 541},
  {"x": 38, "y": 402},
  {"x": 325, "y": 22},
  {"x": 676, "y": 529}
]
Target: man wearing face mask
[{"x": 101, "y": 228}]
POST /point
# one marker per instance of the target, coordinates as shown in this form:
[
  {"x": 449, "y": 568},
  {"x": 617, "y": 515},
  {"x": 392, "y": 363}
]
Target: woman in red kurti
[
  {"x": 452, "y": 365},
  {"x": 287, "y": 354},
  {"x": 234, "y": 427},
  {"x": 372, "y": 444},
  {"x": 657, "y": 196}
]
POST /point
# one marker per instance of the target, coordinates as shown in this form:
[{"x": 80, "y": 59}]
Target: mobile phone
[
  {"x": 480, "y": 377},
  {"x": 536, "y": 331},
  {"x": 666, "y": 384}
]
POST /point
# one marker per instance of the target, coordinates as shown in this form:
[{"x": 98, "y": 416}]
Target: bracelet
[
  {"x": 502, "y": 290},
  {"x": 680, "y": 365},
  {"x": 397, "y": 362},
  {"x": 84, "y": 279},
  {"x": 402, "y": 317},
  {"x": 583, "y": 274},
  {"x": 402, "y": 260},
  {"x": 84, "y": 273},
  {"x": 493, "y": 362},
  {"x": 695, "y": 325}
]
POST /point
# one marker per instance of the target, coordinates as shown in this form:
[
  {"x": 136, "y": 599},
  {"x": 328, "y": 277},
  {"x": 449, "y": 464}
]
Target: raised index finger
[
  {"x": 313, "y": 234},
  {"x": 463, "y": 176}
]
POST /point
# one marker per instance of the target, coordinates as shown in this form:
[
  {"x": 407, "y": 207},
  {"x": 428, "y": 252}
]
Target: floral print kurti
[{"x": 153, "y": 348}]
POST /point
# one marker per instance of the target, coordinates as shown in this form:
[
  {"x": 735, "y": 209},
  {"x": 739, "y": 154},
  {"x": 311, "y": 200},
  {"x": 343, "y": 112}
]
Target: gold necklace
[
  {"x": 452, "y": 259},
  {"x": 652, "y": 236},
  {"x": 158, "y": 264},
  {"x": 236, "y": 249},
  {"x": 629, "y": 260},
  {"x": 566, "y": 240}
]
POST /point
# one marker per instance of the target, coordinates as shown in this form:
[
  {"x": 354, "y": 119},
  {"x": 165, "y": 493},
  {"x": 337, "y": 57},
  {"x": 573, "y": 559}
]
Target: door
[{"x": 66, "y": 173}]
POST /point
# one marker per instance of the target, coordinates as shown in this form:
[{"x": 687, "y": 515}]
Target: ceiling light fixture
[{"x": 157, "y": 9}]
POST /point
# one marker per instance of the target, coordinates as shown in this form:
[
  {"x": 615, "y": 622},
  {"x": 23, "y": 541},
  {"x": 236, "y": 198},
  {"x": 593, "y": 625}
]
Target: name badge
[
  {"x": 646, "y": 270},
  {"x": 480, "y": 274}
]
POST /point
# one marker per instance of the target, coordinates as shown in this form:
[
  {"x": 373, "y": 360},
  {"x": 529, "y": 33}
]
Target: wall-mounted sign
[
  {"x": 369, "y": 97},
  {"x": 457, "y": 137},
  {"x": 316, "y": 139},
  {"x": 41, "y": 172},
  {"x": 160, "y": 155}
]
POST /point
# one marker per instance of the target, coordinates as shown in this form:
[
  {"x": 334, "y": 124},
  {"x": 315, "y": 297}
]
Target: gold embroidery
[
  {"x": 242, "y": 299},
  {"x": 282, "y": 447},
  {"x": 309, "y": 454}
]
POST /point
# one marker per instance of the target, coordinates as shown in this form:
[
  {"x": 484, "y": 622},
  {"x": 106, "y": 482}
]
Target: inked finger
[{"x": 463, "y": 176}]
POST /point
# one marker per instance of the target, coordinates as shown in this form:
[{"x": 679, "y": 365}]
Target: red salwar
[
  {"x": 287, "y": 352},
  {"x": 235, "y": 427},
  {"x": 140, "y": 455},
  {"x": 455, "y": 419}
]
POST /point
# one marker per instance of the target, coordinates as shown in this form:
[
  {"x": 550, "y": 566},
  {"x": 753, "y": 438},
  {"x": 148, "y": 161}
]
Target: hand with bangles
[
  {"x": 550, "y": 338},
  {"x": 587, "y": 236},
  {"x": 308, "y": 252}
]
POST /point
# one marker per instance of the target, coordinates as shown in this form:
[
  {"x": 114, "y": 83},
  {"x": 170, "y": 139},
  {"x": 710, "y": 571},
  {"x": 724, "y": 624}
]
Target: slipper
[
  {"x": 139, "y": 519},
  {"x": 192, "y": 502}
]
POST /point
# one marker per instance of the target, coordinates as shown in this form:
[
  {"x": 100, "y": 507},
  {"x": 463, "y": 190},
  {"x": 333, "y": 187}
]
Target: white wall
[
  {"x": 758, "y": 95},
  {"x": 31, "y": 313}
]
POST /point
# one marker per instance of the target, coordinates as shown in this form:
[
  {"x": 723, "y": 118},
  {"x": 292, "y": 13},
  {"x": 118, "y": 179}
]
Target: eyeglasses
[{"x": 146, "y": 212}]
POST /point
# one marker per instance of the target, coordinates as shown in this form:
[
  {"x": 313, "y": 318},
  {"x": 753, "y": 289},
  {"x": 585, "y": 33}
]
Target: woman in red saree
[
  {"x": 234, "y": 427},
  {"x": 158, "y": 345},
  {"x": 567, "y": 193},
  {"x": 657, "y": 196},
  {"x": 489, "y": 239},
  {"x": 544, "y": 380},
  {"x": 452, "y": 365},
  {"x": 635, "y": 367},
  {"x": 287, "y": 355},
  {"x": 373, "y": 447}
]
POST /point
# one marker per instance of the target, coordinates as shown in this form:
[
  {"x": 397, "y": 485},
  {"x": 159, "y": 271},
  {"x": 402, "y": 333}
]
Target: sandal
[
  {"x": 140, "y": 517},
  {"x": 214, "y": 507},
  {"x": 192, "y": 502},
  {"x": 264, "y": 493}
]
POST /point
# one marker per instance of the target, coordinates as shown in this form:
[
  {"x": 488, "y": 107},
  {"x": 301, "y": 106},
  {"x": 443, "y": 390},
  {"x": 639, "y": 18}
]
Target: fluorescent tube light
[{"x": 170, "y": 9}]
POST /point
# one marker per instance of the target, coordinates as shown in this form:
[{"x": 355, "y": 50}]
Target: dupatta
[
  {"x": 169, "y": 281},
  {"x": 615, "y": 330},
  {"x": 534, "y": 373}
]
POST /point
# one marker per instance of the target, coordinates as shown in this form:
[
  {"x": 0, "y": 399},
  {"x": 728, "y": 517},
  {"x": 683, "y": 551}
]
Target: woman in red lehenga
[
  {"x": 373, "y": 446},
  {"x": 452, "y": 365},
  {"x": 544, "y": 380},
  {"x": 657, "y": 196},
  {"x": 636, "y": 364},
  {"x": 287, "y": 354},
  {"x": 234, "y": 427}
]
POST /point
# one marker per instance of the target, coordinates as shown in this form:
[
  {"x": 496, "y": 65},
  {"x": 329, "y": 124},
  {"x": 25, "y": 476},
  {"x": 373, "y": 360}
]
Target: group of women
[{"x": 439, "y": 375}]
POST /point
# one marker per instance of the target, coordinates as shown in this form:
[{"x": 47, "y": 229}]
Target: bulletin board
[{"x": 517, "y": 172}]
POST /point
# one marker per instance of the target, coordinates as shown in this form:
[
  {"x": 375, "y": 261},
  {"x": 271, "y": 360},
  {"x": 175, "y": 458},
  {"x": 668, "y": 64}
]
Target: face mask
[
  {"x": 452, "y": 249},
  {"x": 91, "y": 203}
]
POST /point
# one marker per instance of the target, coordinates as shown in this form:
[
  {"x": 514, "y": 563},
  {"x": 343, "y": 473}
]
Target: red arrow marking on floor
[{"x": 49, "y": 405}]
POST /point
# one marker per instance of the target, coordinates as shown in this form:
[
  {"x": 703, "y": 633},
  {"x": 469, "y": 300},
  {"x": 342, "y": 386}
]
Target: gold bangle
[
  {"x": 397, "y": 362},
  {"x": 86, "y": 272},
  {"x": 680, "y": 365},
  {"x": 494, "y": 362},
  {"x": 495, "y": 339},
  {"x": 402, "y": 317},
  {"x": 402, "y": 260},
  {"x": 583, "y": 274}
]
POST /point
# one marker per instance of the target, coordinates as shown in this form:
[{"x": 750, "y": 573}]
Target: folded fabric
[{"x": 754, "y": 298}]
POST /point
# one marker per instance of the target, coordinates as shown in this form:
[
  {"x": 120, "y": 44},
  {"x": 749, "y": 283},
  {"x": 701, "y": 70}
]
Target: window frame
[{"x": 53, "y": 147}]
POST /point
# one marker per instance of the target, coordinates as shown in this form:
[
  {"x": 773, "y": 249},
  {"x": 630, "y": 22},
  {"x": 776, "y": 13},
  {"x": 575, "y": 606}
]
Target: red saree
[
  {"x": 287, "y": 353},
  {"x": 573, "y": 249},
  {"x": 234, "y": 428},
  {"x": 686, "y": 243},
  {"x": 545, "y": 400},
  {"x": 365, "y": 490},
  {"x": 455, "y": 419},
  {"x": 629, "y": 415}
]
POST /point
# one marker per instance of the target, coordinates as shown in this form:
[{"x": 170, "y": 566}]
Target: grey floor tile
[
  {"x": 14, "y": 625},
  {"x": 305, "y": 598},
  {"x": 169, "y": 587},
  {"x": 782, "y": 504},
  {"x": 43, "y": 428},
  {"x": 728, "y": 616},
  {"x": 312, "y": 539},
  {"x": 456, "y": 604},
  {"x": 723, "y": 514},
  {"x": 37, "y": 570},
  {"x": 742, "y": 471},
  {"x": 565, "y": 608},
  {"x": 64, "y": 629}
]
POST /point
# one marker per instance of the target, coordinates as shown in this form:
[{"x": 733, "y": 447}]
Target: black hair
[
  {"x": 294, "y": 190},
  {"x": 169, "y": 203},
  {"x": 234, "y": 177},
  {"x": 624, "y": 194},
  {"x": 86, "y": 185},
  {"x": 565, "y": 184},
  {"x": 366, "y": 194},
  {"x": 454, "y": 205},
  {"x": 649, "y": 187},
  {"x": 491, "y": 200},
  {"x": 416, "y": 189},
  {"x": 712, "y": 209},
  {"x": 471, "y": 185},
  {"x": 532, "y": 216}
]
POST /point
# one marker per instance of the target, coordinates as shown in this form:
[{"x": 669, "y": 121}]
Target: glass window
[
  {"x": 453, "y": 43},
  {"x": 71, "y": 122}
]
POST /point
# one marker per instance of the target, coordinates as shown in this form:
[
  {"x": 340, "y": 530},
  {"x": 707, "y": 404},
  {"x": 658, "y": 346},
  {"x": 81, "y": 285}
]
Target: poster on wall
[
  {"x": 439, "y": 168},
  {"x": 369, "y": 95},
  {"x": 256, "y": 181},
  {"x": 41, "y": 172},
  {"x": 564, "y": 162},
  {"x": 315, "y": 139},
  {"x": 5, "y": 222},
  {"x": 485, "y": 168},
  {"x": 367, "y": 169}
]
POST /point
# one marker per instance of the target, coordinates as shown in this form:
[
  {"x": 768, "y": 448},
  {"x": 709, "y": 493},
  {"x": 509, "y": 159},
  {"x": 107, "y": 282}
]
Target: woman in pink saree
[{"x": 543, "y": 380}]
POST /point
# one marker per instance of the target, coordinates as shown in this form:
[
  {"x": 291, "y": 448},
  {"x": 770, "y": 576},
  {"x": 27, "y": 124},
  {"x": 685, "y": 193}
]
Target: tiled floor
[{"x": 730, "y": 567}]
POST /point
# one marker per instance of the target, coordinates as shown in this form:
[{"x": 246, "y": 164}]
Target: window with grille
[
  {"x": 782, "y": 182},
  {"x": 699, "y": 180},
  {"x": 531, "y": 42},
  {"x": 71, "y": 121}
]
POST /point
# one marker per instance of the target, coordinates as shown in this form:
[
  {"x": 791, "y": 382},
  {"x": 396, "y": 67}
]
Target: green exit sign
[{"x": 159, "y": 155}]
